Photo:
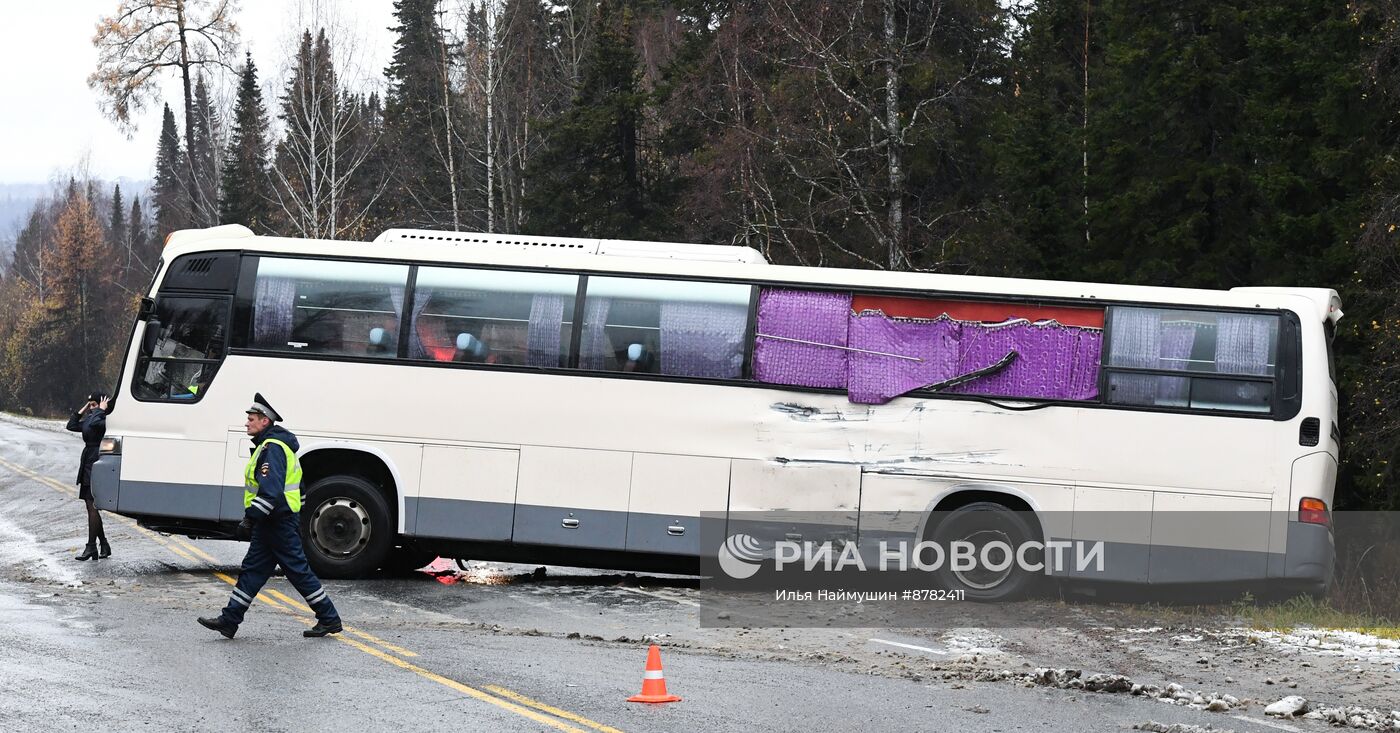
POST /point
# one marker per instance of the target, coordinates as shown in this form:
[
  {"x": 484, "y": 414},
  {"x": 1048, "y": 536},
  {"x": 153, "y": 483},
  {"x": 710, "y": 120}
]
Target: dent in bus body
[{"x": 900, "y": 506}]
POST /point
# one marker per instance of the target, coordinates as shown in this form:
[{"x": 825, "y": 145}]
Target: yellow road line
[
  {"x": 595, "y": 725},
  {"x": 458, "y": 686},
  {"x": 350, "y": 630},
  {"x": 282, "y": 603},
  {"x": 300, "y": 608}
]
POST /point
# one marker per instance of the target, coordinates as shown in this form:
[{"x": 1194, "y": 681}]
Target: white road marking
[
  {"x": 1267, "y": 723},
  {"x": 909, "y": 646}
]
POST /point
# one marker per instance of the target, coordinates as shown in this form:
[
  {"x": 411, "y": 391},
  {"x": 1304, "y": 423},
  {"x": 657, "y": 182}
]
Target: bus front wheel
[{"x": 345, "y": 523}]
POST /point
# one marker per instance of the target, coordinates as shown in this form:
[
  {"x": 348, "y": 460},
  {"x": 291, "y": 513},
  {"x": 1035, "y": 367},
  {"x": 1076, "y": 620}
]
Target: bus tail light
[
  {"x": 110, "y": 446},
  {"x": 1313, "y": 511}
]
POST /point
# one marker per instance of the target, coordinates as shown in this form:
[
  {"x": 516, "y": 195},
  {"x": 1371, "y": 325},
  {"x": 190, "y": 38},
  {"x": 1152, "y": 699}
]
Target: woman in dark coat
[{"x": 91, "y": 421}]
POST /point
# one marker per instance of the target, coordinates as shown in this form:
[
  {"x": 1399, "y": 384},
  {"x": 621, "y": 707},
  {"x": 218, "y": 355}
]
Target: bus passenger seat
[
  {"x": 638, "y": 358},
  {"x": 469, "y": 348},
  {"x": 378, "y": 342}
]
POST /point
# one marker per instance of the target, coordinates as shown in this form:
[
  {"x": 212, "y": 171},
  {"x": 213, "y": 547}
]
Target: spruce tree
[
  {"x": 591, "y": 179},
  {"x": 116, "y": 221},
  {"x": 1039, "y": 145},
  {"x": 1224, "y": 142},
  {"x": 245, "y": 187},
  {"x": 415, "y": 118},
  {"x": 144, "y": 255},
  {"x": 169, "y": 190},
  {"x": 203, "y": 174}
]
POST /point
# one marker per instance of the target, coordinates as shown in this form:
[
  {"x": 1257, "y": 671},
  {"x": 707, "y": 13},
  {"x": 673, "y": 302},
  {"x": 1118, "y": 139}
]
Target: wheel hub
[
  {"x": 340, "y": 527},
  {"x": 981, "y": 577}
]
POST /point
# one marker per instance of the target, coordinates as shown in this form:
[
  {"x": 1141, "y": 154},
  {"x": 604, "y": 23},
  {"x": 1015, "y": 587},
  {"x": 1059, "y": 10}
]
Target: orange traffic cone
[{"x": 653, "y": 680}]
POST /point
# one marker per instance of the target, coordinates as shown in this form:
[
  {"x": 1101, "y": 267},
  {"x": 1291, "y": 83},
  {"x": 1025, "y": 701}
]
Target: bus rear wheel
[
  {"x": 345, "y": 523},
  {"x": 981, "y": 524}
]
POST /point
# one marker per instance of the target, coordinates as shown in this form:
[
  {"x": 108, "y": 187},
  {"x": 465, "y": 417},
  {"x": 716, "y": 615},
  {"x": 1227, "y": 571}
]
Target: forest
[{"x": 1185, "y": 143}]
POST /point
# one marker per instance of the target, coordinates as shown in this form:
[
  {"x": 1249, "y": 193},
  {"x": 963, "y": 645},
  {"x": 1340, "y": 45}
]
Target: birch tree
[{"x": 326, "y": 141}]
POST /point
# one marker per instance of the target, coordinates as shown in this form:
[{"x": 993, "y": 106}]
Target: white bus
[{"x": 583, "y": 402}]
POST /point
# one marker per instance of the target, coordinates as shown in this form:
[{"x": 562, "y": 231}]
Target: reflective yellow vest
[{"x": 292, "y": 480}]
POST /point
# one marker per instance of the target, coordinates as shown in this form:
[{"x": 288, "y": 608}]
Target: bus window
[
  {"x": 677, "y": 328},
  {"x": 188, "y": 349},
  {"x": 493, "y": 316},
  {"x": 1329, "y": 329},
  {"x": 880, "y": 347},
  {"x": 995, "y": 349},
  {"x": 801, "y": 338},
  {"x": 1226, "y": 361},
  {"x": 328, "y": 307}
]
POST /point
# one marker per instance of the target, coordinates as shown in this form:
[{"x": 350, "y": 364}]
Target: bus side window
[
  {"x": 328, "y": 307},
  {"x": 1189, "y": 359},
  {"x": 671, "y": 327},
  {"x": 476, "y": 316}
]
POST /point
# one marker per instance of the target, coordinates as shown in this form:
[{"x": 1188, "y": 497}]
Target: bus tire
[
  {"x": 345, "y": 524},
  {"x": 980, "y": 522}
]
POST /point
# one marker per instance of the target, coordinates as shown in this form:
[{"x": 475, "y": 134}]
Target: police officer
[
  {"x": 91, "y": 421},
  {"x": 271, "y": 500}
]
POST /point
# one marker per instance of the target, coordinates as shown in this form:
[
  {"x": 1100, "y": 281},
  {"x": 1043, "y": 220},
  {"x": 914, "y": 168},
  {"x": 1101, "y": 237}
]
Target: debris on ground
[
  {"x": 1155, "y": 727},
  {"x": 1288, "y": 707}
]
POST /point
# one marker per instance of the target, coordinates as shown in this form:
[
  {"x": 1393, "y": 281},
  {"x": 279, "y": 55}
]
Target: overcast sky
[{"x": 49, "y": 119}]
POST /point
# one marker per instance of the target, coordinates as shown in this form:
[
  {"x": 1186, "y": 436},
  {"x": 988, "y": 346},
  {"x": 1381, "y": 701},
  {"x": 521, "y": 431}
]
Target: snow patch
[
  {"x": 19, "y": 548},
  {"x": 1334, "y": 643},
  {"x": 973, "y": 641}
]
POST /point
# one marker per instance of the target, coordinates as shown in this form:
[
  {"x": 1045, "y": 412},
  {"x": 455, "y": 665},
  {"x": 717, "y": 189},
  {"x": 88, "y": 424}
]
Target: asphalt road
[{"x": 113, "y": 645}]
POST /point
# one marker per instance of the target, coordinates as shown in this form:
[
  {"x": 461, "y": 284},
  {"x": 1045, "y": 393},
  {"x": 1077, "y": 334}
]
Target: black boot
[
  {"x": 322, "y": 628},
  {"x": 218, "y": 624},
  {"x": 89, "y": 552},
  {"x": 106, "y": 550}
]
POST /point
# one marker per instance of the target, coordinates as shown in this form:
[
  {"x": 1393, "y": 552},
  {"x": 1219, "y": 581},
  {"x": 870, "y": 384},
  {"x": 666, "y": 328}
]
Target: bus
[{"x": 593, "y": 402}]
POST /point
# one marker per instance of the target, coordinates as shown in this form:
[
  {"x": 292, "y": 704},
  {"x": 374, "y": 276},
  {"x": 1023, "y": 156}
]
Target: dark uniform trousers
[{"x": 277, "y": 540}]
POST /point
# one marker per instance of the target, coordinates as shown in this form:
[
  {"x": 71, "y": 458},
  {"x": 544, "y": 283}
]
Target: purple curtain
[
  {"x": 879, "y": 377},
  {"x": 595, "y": 347},
  {"x": 542, "y": 338},
  {"x": 1053, "y": 361},
  {"x": 702, "y": 339},
  {"x": 1084, "y": 374},
  {"x": 274, "y": 299},
  {"x": 1177, "y": 341},
  {"x": 819, "y": 318}
]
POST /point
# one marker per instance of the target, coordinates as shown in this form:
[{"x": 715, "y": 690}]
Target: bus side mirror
[
  {"x": 148, "y": 306},
  {"x": 150, "y": 337}
]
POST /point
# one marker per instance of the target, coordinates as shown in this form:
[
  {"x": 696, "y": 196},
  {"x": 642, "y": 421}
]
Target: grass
[{"x": 1306, "y": 611}]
